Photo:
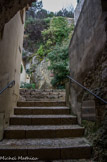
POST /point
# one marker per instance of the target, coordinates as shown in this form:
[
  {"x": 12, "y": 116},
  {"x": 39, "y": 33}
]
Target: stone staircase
[{"x": 44, "y": 130}]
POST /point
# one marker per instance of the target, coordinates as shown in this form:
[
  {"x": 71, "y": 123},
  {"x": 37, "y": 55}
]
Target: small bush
[{"x": 27, "y": 85}]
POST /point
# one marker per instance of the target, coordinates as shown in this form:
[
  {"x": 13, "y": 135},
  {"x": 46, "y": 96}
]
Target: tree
[
  {"x": 36, "y": 7},
  {"x": 37, "y": 11},
  {"x": 42, "y": 14},
  {"x": 78, "y": 1},
  {"x": 55, "y": 47},
  {"x": 69, "y": 12},
  {"x": 59, "y": 13},
  {"x": 57, "y": 31},
  {"x": 51, "y": 14},
  {"x": 33, "y": 32}
]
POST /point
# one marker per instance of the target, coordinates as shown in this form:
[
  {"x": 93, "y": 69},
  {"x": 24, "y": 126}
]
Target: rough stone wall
[
  {"x": 9, "y": 8},
  {"x": 88, "y": 53},
  {"x": 10, "y": 63},
  {"x": 42, "y": 76},
  {"x": 42, "y": 95}
]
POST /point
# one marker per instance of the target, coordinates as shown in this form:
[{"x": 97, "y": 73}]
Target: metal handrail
[
  {"x": 87, "y": 90},
  {"x": 10, "y": 85}
]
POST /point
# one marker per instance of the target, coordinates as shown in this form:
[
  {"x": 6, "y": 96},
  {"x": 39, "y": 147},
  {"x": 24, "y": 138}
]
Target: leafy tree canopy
[{"x": 66, "y": 12}]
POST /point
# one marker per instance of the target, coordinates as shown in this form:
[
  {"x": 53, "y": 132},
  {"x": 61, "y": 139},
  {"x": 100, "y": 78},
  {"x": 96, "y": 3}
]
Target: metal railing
[
  {"x": 10, "y": 85},
  {"x": 87, "y": 89}
]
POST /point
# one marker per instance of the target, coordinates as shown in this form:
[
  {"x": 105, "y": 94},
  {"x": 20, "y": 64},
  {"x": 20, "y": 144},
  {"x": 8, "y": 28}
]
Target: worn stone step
[
  {"x": 43, "y": 120},
  {"x": 32, "y": 91},
  {"x": 44, "y": 95},
  {"x": 47, "y": 149},
  {"x": 43, "y": 99},
  {"x": 49, "y": 131},
  {"x": 41, "y": 110},
  {"x": 38, "y": 96},
  {"x": 40, "y": 104}
]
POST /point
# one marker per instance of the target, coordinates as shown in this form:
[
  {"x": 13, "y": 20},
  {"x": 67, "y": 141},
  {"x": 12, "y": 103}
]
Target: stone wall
[
  {"x": 42, "y": 95},
  {"x": 42, "y": 76},
  {"x": 87, "y": 54},
  {"x": 9, "y": 8},
  {"x": 10, "y": 63}
]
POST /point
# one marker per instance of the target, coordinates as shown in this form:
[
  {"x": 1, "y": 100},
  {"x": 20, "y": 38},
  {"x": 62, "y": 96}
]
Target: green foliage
[
  {"x": 59, "y": 65},
  {"x": 57, "y": 31},
  {"x": 30, "y": 20},
  {"x": 55, "y": 46},
  {"x": 40, "y": 51},
  {"x": 37, "y": 11},
  {"x": 55, "y": 34},
  {"x": 47, "y": 21},
  {"x": 36, "y": 7},
  {"x": 66, "y": 13},
  {"x": 27, "y": 85},
  {"x": 33, "y": 33},
  {"x": 47, "y": 34}
]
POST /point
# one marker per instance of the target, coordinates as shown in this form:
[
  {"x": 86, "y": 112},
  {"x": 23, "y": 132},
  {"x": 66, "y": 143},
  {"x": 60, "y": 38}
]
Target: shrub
[
  {"x": 59, "y": 65},
  {"x": 27, "y": 85}
]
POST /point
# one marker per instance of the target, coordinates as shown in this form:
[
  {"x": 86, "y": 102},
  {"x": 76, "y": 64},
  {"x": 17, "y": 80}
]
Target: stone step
[
  {"x": 31, "y": 91},
  {"x": 42, "y": 99},
  {"x": 41, "y": 93},
  {"x": 44, "y": 95},
  {"x": 41, "y": 110},
  {"x": 49, "y": 131},
  {"x": 43, "y": 120},
  {"x": 47, "y": 149},
  {"x": 41, "y": 103},
  {"x": 38, "y": 95}
]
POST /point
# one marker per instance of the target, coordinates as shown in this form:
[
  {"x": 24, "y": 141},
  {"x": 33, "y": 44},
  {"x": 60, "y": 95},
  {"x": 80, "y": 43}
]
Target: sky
[{"x": 56, "y": 5}]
